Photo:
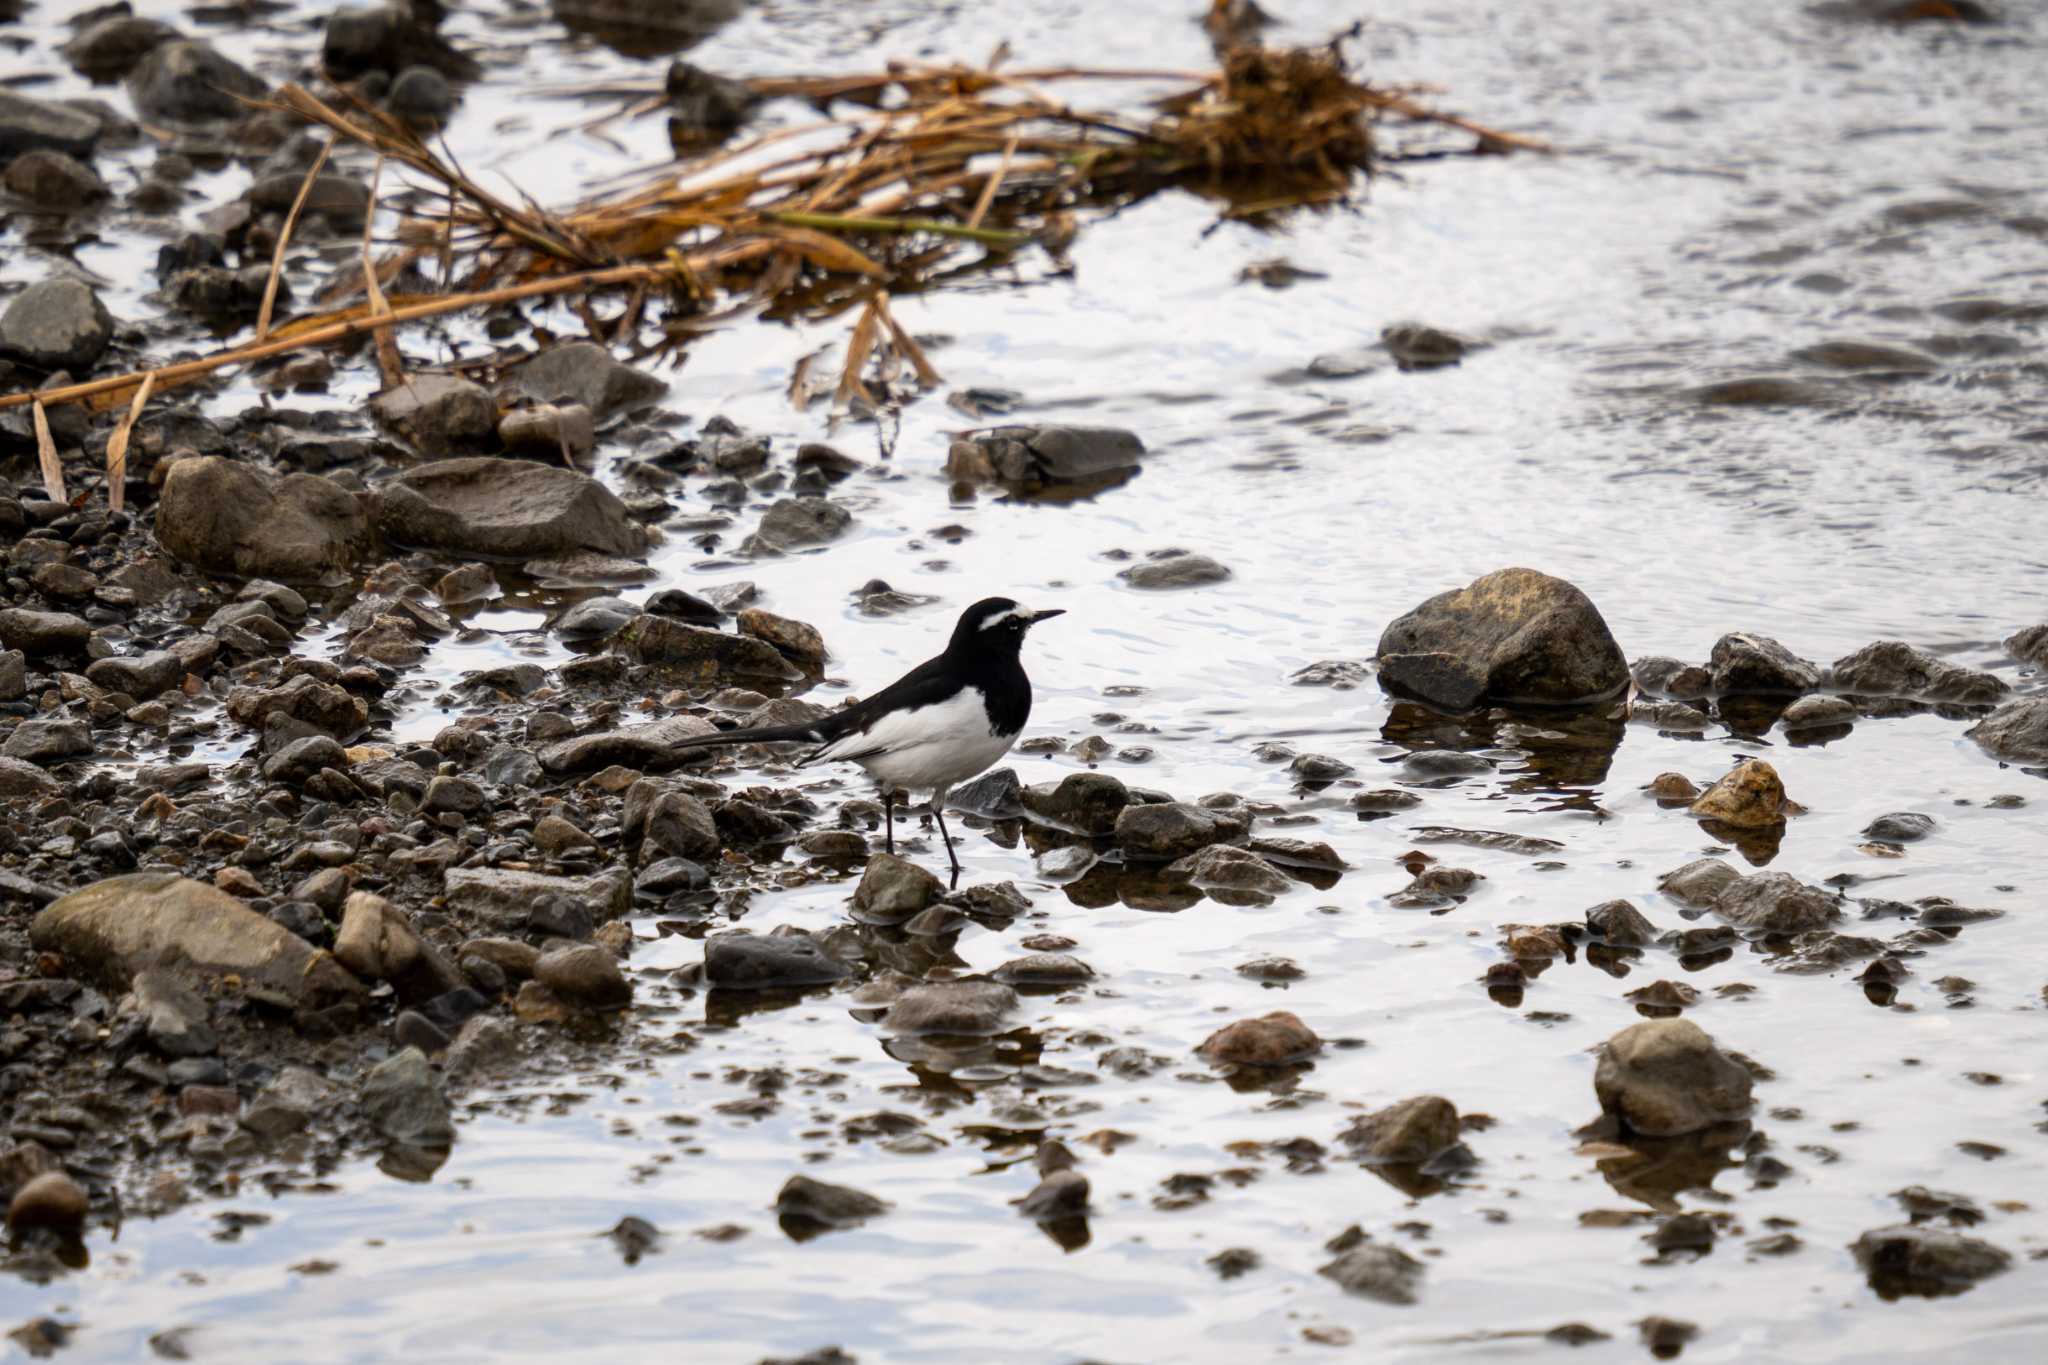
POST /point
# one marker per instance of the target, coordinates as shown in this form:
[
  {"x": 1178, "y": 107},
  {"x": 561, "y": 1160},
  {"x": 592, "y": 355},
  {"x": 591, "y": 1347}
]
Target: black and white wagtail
[{"x": 938, "y": 725}]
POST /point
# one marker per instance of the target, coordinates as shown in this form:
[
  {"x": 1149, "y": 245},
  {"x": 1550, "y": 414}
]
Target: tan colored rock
[
  {"x": 378, "y": 943},
  {"x": 1750, "y": 797},
  {"x": 112, "y": 929}
]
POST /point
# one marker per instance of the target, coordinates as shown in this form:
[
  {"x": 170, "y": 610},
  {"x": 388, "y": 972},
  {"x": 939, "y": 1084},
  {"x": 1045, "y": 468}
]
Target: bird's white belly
[{"x": 932, "y": 747}]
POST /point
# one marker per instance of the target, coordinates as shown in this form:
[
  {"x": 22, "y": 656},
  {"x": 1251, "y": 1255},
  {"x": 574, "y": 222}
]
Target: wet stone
[
  {"x": 1619, "y": 924},
  {"x": 1411, "y": 1132},
  {"x": 227, "y": 517},
  {"x": 1167, "y": 569},
  {"x": 1031, "y": 457},
  {"x": 1698, "y": 883},
  {"x": 2030, "y": 646},
  {"x": 700, "y": 655},
  {"x": 47, "y": 741},
  {"x": 1900, "y": 827},
  {"x": 1916, "y": 1259},
  {"x": 403, "y": 1099},
  {"x": 190, "y": 82},
  {"x": 508, "y": 509},
  {"x": 2016, "y": 732},
  {"x": 1370, "y": 1270},
  {"x": 1061, "y": 1194},
  {"x": 585, "y": 373},
  {"x": 952, "y": 1007},
  {"x": 141, "y": 676},
  {"x": 1757, "y": 663},
  {"x": 56, "y": 325},
  {"x": 829, "y": 1206},
  {"x": 28, "y": 124},
  {"x": 637, "y": 746},
  {"x": 586, "y": 975},
  {"x": 1164, "y": 831},
  {"x": 893, "y": 888},
  {"x": 801, "y": 523},
  {"x": 52, "y": 180},
  {"x": 438, "y": 413},
  {"x": 1815, "y": 712},
  {"x": 1512, "y": 636},
  {"x": 1673, "y": 787},
  {"x": 1049, "y": 970},
  {"x": 174, "y": 1015},
  {"x": 764, "y": 961},
  {"x": 1671, "y": 677},
  {"x": 1776, "y": 903},
  {"x": 378, "y": 942},
  {"x": 506, "y": 898},
  {"x": 1269, "y": 1040},
  {"x": 1750, "y": 797},
  {"x": 1894, "y": 668},
  {"x": 1084, "y": 803},
  {"x": 1666, "y": 1077},
  {"x": 795, "y": 640},
  {"x": 20, "y": 778},
  {"x": 1222, "y": 867}
]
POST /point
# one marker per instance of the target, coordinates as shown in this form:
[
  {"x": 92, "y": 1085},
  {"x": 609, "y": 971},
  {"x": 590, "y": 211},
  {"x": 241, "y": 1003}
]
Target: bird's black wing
[{"x": 930, "y": 682}]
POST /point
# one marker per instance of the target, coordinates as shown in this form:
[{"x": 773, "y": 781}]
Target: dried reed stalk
[
  {"x": 284, "y": 239},
  {"x": 117, "y": 445}
]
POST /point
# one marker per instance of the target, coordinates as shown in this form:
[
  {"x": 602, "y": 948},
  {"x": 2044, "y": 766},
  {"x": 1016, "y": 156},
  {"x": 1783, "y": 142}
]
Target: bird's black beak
[{"x": 1047, "y": 615}]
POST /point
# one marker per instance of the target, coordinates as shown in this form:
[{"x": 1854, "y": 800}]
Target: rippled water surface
[{"x": 1739, "y": 182}]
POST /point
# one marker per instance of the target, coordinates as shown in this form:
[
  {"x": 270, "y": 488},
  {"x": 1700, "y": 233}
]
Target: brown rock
[
  {"x": 1665, "y": 1077},
  {"x": 1268, "y": 1040},
  {"x": 50, "y": 1200},
  {"x": 378, "y": 943},
  {"x": 1409, "y": 1133},
  {"x": 1750, "y": 797}
]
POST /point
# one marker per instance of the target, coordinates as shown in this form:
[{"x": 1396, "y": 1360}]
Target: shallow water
[{"x": 1720, "y": 161}]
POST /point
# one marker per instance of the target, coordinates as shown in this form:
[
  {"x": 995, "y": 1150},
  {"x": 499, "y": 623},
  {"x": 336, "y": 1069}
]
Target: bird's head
[{"x": 996, "y": 623}]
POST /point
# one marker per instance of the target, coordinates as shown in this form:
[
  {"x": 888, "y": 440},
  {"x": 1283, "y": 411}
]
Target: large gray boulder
[
  {"x": 1665, "y": 1077},
  {"x": 1515, "y": 635},
  {"x": 505, "y": 509},
  {"x": 56, "y": 325},
  {"x": 227, "y": 517},
  {"x": 113, "y": 929}
]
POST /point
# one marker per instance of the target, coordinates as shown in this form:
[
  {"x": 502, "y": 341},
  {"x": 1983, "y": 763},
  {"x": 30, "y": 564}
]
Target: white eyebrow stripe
[{"x": 1012, "y": 614}]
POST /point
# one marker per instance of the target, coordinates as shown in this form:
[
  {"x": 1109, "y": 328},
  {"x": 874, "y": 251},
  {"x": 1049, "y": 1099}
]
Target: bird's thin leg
[
  {"x": 889, "y": 820},
  {"x": 939, "y": 815}
]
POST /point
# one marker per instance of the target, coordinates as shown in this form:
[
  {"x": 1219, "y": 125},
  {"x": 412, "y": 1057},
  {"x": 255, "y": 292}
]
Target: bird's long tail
[{"x": 765, "y": 734}]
